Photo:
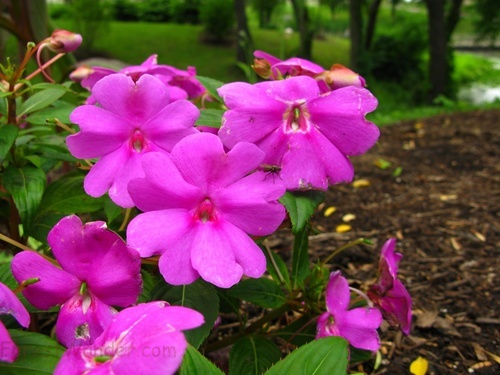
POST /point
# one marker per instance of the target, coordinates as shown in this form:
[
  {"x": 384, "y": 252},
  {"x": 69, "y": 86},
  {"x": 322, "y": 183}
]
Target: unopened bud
[
  {"x": 63, "y": 41},
  {"x": 339, "y": 76},
  {"x": 262, "y": 68},
  {"x": 80, "y": 73}
]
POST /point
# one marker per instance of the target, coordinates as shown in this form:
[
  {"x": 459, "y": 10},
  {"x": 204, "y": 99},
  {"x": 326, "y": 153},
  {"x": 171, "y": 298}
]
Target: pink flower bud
[
  {"x": 63, "y": 41},
  {"x": 80, "y": 73}
]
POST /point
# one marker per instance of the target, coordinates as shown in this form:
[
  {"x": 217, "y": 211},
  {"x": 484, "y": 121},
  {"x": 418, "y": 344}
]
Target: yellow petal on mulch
[
  {"x": 479, "y": 236},
  {"x": 419, "y": 366},
  {"x": 361, "y": 183},
  {"x": 348, "y": 217},
  {"x": 329, "y": 211},
  {"x": 342, "y": 228}
]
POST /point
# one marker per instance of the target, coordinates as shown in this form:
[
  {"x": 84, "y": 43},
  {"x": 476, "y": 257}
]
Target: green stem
[
  {"x": 273, "y": 262},
  {"x": 258, "y": 324},
  {"x": 342, "y": 248}
]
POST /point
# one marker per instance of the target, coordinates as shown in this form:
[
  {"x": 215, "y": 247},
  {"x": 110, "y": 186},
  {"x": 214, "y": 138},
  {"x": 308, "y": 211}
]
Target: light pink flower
[
  {"x": 200, "y": 206},
  {"x": 98, "y": 270},
  {"x": 132, "y": 119},
  {"x": 389, "y": 294},
  {"x": 308, "y": 134},
  {"x": 10, "y": 304},
  {"x": 358, "y": 326},
  {"x": 144, "y": 339}
]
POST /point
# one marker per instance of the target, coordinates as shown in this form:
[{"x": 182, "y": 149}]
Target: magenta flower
[
  {"x": 133, "y": 118},
  {"x": 389, "y": 294},
  {"x": 98, "y": 271},
  {"x": 269, "y": 66},
  {"x": 10, "y": 304},
  {"x": 358, "y": 326},
  {"x": 144, "y": 339},
  {"x": 199, "y": 207},
  {"x": 307, "y": 134}
]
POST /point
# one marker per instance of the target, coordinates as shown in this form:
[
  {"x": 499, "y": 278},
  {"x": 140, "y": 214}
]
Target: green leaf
[
  {"x": 41, "y": 100},
  {"x": 38, "y": 354},
  {"x": 252, "y": 355},
  {"x": 211, "y": 85},
  {"x": 26, "y": 185},
  {"x": 326, "y": 356},
  {"x": 275, "y": 265},
  {"x": 301, "y": 206},
  {"x": 8, "y": 134},
  {"x": 262, "y": 292},
  {"x": 300, "y": 331},
  {"x": 111, "y": 210},
  {"x": 300, "y": 258},
  {"x": 210, "y": 117},
  {"x": 61, "y": 112},
  {"x": 199, "y": 296},
  {"x": 149, "y": 281},
  {"x": 194, "y": 363}
]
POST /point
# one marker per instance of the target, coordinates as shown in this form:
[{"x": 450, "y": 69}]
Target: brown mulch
[{"x": 444, "y": 208}]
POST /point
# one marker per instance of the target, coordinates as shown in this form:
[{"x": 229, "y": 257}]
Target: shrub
[
  {"x": 125, "y": 10},
  {"x": 217, "y": 17},
  {"x": 185, "y": 11},
  {"x": 155, "y": 11}
]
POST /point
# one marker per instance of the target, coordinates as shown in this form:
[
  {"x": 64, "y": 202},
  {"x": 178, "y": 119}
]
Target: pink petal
[
  {"x": 9, "y": 350},
  {"x": 55, "y": 287},
  {"x": 97, "y": 73},
  {"x": 10, "y": 304},
  {"x": 337, "y": 294},
  {"x": 291, "y": 90},
  {"x": 77, "y": 360},
  {"x": 359, "y": 327},
  {"x": 164, "y": 187},
  {"x": 101, "y": 132},
  {"x": 135, "y": 101},
  {"x": 296, "y": 66},
  {"x": 389, "y": 255},
  {"x": 82, "y": 319},
  {"x": 251, "y": 204},
  {"x": 340, "y": 117},
  {"x": 266, "y": 56}
]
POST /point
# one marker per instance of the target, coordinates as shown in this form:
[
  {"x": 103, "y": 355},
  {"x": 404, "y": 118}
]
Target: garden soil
[{"x": 434, "y": 184}]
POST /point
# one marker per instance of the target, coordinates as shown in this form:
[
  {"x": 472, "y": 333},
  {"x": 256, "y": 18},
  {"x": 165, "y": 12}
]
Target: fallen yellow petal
[
  {"x": 348, "y": 217},
  {"x": 342, "y": 228},
  {"x": 361, "y": 183},
  {"x": 419, "y": 366},
  {"x": 330, "y": 210}
]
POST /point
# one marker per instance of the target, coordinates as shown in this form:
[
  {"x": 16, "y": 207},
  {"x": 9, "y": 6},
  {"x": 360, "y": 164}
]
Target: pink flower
[
  {"x": 98, "y": 271},
  {"x": 133, "y": 119},
  {"x": 62, "y": 41},
  {"x": 144, "y": 339},
  {"x": 10, "y": 304},
  {"x": 389, "y": 294},
  {"x": 308, "y": 134},
  {"x": 199, "y": 207},
  {"x": 358, "y": 326}
]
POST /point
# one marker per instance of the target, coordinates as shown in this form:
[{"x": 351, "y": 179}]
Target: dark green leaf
[
  {"x": 26, "y": 185},
  {"x": 148, "y": 283},
  {"x": 301, "y": 206},
  {"x": 252, "y": 355},
  {"x": 8, "y": 134},
  {"x": 38, "y": 354},
  {"x": 300, "y": 331},
  {"x": 111, "y": 210},
  {"x": 326, "y": 356},
  {"x": 210, "y": 117},
  {"x": 194, "y": 363},
  {"x": 211, "y": 85},
  {"x": 41, "y": 100},
  {"x": 262, "y": 292},
  {"x": 61, "y": 112},
  {"x": 199, "y": 296},
  {"x": 300, "y": 258}
]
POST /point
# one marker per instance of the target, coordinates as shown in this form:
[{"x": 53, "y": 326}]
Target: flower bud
[
  {"x": 262, "y": 68},
  {"x": 80, "y": 73},
  {"x": 339, "y": 76},
  {"x": 63, "y": 41}
]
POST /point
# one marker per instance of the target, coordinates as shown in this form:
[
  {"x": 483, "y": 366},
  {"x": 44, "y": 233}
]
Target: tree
[
  {"x": 306, "y": 30},
  {"x": 265, "y": 10},
  {"x": 244, "y": 41},
  {"x": 487, "y": 26}
]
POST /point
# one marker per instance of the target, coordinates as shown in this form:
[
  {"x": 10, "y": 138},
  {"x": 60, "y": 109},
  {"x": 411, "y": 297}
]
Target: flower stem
[
  {"x": 342, "y": 248},
  {"x": 14, "y": 242}
]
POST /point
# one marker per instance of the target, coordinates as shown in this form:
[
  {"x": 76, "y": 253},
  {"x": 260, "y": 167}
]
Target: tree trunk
[
  {"x": 306, "y": 32},
  {"x": 356, "y": 33},
  {"x": 438, "y": 63},
  {"x": 244, "y": 44},
  {"x": 453, "y": 18},
  {"x": 372, "y": 21}
]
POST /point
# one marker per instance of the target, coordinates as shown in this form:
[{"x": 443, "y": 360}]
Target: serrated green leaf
[
  {"x": 301, "y": 206},
  {"x": 8, "y": 134},
  {"x": 194, "y": 363},
  {"x": 38, "y": 354},
  {"x": 211, "y": 85},
  {"x": 252, "y": 355},
  {"x": 200, "y": 296},
  {"x": 262, "y": 292},
  {"x": 40, "y": 100},
  {"x": 210, "y": 117},
  {"x": 326, "y": 356},
  {"x": 300, "y": 258},
  {"x": 26, "y": 186}
]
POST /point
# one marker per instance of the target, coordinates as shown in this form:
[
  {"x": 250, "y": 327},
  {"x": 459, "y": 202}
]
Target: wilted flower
[
  {"x": 200, "y": 206},
  {"x": 308, "y": 134},
  {"x": 358, "y": 326},
  {"x": 10, "y": 304},
  {"x": 134, "y": 118},
  {"x": 389, "y": 294},
  {"x": 98, "y": 271},
  {"x": 144, "y": 339}
]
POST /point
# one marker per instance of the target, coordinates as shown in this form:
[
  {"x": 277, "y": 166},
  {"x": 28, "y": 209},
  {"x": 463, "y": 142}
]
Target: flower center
[
  {"x": 296, "y": 119},
  {"x": 205, "y": 212},
  {"x": 137, "y": 141}
]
